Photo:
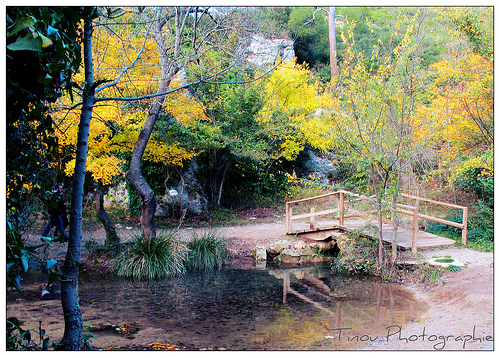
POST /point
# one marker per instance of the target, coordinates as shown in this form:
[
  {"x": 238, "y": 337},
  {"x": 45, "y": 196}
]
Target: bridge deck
[{"x": 403, "y": 236}]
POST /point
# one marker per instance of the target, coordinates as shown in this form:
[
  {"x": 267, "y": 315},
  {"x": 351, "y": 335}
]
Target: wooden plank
[
  {"x": 404, "y": 237},
  {"x": 314, "y": 214},
  {"x": 313, "y": 198},
  {"x": 433, "y": 201},
  {"x": 443, "y": 221}
]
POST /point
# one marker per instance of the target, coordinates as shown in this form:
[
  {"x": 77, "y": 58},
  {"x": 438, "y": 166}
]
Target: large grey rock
[
  {"x": 277, "y": 247},
  {"x": 263, "y": 50},
  {"x": 259, "y": 253},
  {"x": 321, "y": 165},
  {"x": 300, "y": 245}
]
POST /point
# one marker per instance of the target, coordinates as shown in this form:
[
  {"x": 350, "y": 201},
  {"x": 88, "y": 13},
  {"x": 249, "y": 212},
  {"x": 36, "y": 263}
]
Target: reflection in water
[{"x": 300, "y": 308}]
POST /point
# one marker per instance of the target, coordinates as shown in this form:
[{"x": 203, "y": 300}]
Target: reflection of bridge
[
  {"x": 342, "y": 205},
  {"x": 342, "y": 303},
  {"x": 306, "y": 278}
]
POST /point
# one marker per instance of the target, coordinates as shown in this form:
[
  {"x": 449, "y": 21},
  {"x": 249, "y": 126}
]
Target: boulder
[
  {"x": 259, "y": 253},
  {"x": 263, "y": 50},
  {"x": 290, "y": 256},
  {"x": 300, "y": 245},
  {"x": 325, "y": 248},
  {"x": 277, "y": 247}
]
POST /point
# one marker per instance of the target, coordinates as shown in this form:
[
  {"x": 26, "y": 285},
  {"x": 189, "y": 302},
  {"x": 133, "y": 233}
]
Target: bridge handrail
[
  {"x": 462, "y": 225},
  {"x": 403, "y": 208}
]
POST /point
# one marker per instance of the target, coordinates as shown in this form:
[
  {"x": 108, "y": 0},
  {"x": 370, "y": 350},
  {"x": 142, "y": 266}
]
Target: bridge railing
[
  {"x": 341, "y": 213},
  {"x": 465, "y": 213}
]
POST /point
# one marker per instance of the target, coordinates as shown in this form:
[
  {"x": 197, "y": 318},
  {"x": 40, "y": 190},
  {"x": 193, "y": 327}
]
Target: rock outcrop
[
  {"x": 299, "y": 252},
  {"x": 263, "y": 50}
]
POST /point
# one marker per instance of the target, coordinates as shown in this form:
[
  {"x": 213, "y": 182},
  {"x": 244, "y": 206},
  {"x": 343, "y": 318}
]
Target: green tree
[
  {"x": 43, "y": 51},
  {"x": 377, "y": 105}
]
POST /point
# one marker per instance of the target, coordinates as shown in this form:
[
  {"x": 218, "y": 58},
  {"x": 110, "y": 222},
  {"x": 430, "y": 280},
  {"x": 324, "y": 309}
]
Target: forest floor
[{"x": 460, "y": 314}]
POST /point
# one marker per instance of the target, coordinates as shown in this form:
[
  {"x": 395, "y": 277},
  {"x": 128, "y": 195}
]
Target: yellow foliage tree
[
  {"x": 116, "y": 126},
  {"x": 459, "y": 118},
  {"x": 292, "y": 110}
]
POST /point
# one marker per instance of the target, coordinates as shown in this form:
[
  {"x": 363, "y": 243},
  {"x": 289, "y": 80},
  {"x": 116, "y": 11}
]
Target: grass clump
[
  {"x": 150, "y": 259},
  {"x": 206, "y": 250}
]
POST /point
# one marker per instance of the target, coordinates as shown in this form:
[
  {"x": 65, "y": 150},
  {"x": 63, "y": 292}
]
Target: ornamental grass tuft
[
  {"x": 206, "y": 250},
  {"x": 148, "y": 259}
]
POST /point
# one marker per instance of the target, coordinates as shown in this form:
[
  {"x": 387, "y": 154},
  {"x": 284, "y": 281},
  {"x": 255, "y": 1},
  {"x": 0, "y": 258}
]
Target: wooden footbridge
[{"x": 321, "y": 216}]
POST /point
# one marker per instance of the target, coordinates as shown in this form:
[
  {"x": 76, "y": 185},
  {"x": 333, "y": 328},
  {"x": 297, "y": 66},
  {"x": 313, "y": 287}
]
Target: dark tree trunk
[
  {"x": 73, "y": 324},
  {"x": 134, "y": 174},
  {"x": 112, "y": 239}
]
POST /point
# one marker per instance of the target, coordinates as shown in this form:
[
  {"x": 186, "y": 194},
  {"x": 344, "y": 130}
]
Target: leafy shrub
[
  {"x": 150, "y": 259},
  {"x": 481, "y": 223},
  {"x": 19, "y": 339},
  {"x": 206, "y": 250},
  {"x": 358, "y": 255},
  {"x": 304, "y": 187}
]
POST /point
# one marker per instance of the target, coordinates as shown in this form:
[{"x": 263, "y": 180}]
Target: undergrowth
[
  {"x": 359, "y": 255},
  {"x": 206, "y": 250},
  {"x": 165, "y": 255},
  {"x": 153, "y": 258}
]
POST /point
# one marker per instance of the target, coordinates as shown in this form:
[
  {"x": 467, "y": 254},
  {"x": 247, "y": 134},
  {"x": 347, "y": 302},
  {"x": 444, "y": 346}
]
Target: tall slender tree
[{"x": 332, "y": 34}]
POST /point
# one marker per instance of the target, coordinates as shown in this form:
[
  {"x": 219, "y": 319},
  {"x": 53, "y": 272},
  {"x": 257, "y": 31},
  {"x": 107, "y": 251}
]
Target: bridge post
[
  {"x": 311, "y": 222},
  {"x": 288, "y": 218},
  {"x": 341, "y": 208},
  {"x": 464, "y": 222},
  {"x": 414, "y": 230}
]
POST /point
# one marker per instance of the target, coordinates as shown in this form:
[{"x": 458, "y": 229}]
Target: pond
[{"x": 247, "y": 309}]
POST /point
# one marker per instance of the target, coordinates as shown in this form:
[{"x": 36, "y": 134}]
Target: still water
[{"x": 250, "y": 309}]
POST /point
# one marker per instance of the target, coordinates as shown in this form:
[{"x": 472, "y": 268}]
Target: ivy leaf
[
  {"x": 26, "y": 43},
  {"x": 53, "y": 276},
  {"x": 50, "y": 263},
  {"x": 21, "y": 24},
  {"x": 49, "y": 240},
  {"x": 51, "y": 30}
]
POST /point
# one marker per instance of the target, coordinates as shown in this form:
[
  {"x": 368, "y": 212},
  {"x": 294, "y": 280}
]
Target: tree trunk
[
  {"x": 380, "y": 235},
  {"x": 333, "y": 42},
  {"x": 134, "y": 174},
  {"x": 112, "y": 239},
  {"x": 228, "y": 163},
  {"x": 73, "y": 324}
]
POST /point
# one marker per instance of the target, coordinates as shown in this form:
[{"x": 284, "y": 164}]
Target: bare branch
[{"x": 129, "y": 66}]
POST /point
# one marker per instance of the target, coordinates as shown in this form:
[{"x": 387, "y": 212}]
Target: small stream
[{"x": 249, "y": 309}]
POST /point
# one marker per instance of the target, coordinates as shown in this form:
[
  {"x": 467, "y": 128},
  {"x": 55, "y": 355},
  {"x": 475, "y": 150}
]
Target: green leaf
[
  {"x": 51, "y": 30},
  {"x": 21, "y": 24},
  {"x": 12, "y": 323},
  {"x": 25, "y": 259},
  {"x": 26, "y": 43},
  {"x": 49, "y": 240},
  {"x": 47, "y": 79},
  {"x": 53, "y": 276},
  {"x": 50, "y": 263},
  {"x": 46, "y": 42},
  {"x": 80, "y": 266},
  {"x": 17, "y": 280},
  {"x": 45, "y": 345}
]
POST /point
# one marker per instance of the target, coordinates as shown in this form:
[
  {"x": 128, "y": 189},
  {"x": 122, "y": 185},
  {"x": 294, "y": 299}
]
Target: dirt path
[
  {"x": 461, "y": 308},
  {"x": 461, "y": 305}
]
